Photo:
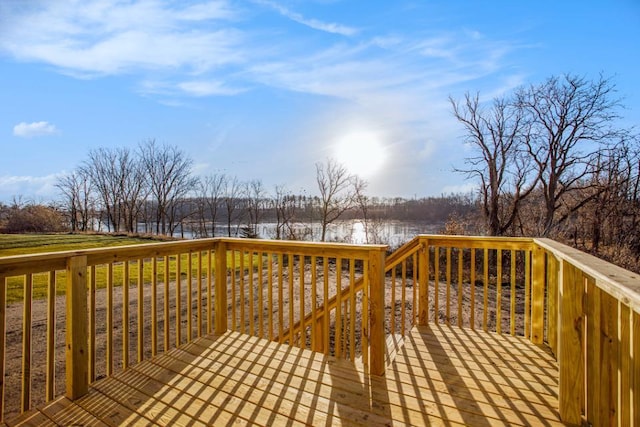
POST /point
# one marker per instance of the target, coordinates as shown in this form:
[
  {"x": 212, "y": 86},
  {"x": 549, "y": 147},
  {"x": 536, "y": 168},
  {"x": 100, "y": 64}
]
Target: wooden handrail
[{"x": 396, "y": 257}]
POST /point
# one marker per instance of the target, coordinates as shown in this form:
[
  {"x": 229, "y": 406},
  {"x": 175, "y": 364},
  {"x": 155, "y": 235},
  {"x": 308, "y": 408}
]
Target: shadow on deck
[{"x": 438, "y": 375}]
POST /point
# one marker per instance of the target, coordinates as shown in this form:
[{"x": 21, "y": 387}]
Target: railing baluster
[
  {"x": 303, "y": 340},
  {"x": 199, "y": 296},
  {"x": 314, "y": 307},
  {"x": 178, "y": 299},
  {"x": 552, "y": 302},
  {"x": 404, "y": 296},
  {"x": 472, "y": 285},
  {"x": 3, "y": 340},
  {"x": 414, "y": 286},
  {"x": 92, "y": 324},
  {"x": 635, "y": 357},
  {"x": 243, "y": 320},
  {"x": 537, "y": 295},
  {"x": 260, "y": 295},
  {"x": 527, "y": 298},
  {"x": 280, "y": 300},
  {"x": 425, "y": 268},
  {"x": 499, "y": 291},
  {"x": 485, "y": 279},
  {"x": 393, "y": 301},
  {"x": 338, "y": 328},
  {"x": 166, "y": 304},
  {"x": 460, "y": 288},
  {"x": 233, "y": 290},
  {"x": 251, "y": 296},
  {"x": 436, "y": 284},
  {"x": 291, "y": 297},
  {"x": 325, "y": 303},
  {"x": 109, "y": 327},
  {"x": 125, "y": 314},
  {"x": 270, "y": 295},
  {"x": 140, "y": 310},
  {"x": 448, "y": 278},
  {"x": 366, "y": 331},
  {"x": 189, "y": 297},
  {"x": 209, "y": 292},
  {"x": 352, "y": 309},
  {"x": 50, "y": 385},
  {"x": 513, "y": 292},
  {"x": 25, "y": 402},
  {"x": 154, "y": 306}
]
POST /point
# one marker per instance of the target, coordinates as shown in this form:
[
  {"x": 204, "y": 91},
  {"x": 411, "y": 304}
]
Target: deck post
[
  {"x": 537, "y": 294},
  {"x": 220, "y": 303},
  {"x": 77, "y": 355},
  {"x": 570, "y": 344},
  {"x": 376, "y": 317},
  {"x": 423, "y": 282}
]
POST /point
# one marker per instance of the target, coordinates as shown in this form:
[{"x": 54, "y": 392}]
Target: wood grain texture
[{"x": 440, "y": 375}]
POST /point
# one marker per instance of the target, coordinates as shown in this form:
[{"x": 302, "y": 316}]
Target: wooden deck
[{"x": 436, "y": 376}]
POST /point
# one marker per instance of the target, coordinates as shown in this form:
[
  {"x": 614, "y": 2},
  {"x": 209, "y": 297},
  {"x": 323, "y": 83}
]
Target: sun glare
[{"x": 361, "y": 152}]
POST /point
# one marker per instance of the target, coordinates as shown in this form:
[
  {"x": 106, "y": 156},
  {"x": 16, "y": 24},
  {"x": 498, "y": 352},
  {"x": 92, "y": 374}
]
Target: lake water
[{"x": 393, "y": 233}]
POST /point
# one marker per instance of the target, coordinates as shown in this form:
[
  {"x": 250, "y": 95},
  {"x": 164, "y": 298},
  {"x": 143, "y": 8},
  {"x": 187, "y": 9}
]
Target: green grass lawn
[{"x": 20, "y": 244}]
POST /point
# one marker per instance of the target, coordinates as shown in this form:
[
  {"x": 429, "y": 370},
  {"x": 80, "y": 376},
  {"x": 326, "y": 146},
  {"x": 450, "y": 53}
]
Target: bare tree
[
  {"x": 133, "y": 190},
  {"x": 76, "y": 190},
  {"x": 233, "y": 203},
  {"x": 211, "y": 193},
  {"x": 111, "y": 171},
  {"x": 497, "y": 136},
  {"x": 284, "y": 204},
  {"x": 255, "y": 203},
  {"x": 362, "y": 201},
  {"x": 168, "y": 170},
  {"x": 572, "y": 119},
  {"x": 336, "y": 192}
]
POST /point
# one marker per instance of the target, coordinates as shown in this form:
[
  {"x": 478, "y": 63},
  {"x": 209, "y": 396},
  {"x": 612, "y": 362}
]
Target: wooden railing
[
  {"x": 593, "y": 327},
  {"x": 119, "y": 306},
  {"x": 586, "y": 310},
  {"x": 129, "y": 303}
]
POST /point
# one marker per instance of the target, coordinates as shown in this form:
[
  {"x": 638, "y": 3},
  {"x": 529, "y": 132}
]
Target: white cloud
[
  {"x": 207, "y": 88},
  {"x": 316, "y": 24},
  {"x": 107, "y": 37},
  {"x": 29, "y": 130},
  {"x": 194, "y": 88},
  {"x": 29, "y": 187}
]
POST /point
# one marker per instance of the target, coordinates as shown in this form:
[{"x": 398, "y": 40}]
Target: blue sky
[{"x": 264, "y": 89}]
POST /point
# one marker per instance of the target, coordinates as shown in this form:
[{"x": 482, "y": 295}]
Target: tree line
[
  {"x": 550, "y": 159},
  {"x": 152, "y": 189},
  {"x": 553, "y": 159}
]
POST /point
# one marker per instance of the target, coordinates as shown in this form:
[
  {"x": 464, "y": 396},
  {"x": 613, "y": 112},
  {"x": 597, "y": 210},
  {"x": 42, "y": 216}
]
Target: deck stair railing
[{"x": 126, "y": 304}]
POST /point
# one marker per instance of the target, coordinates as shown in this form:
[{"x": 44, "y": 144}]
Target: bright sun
[{"x": 361, "y": 152}]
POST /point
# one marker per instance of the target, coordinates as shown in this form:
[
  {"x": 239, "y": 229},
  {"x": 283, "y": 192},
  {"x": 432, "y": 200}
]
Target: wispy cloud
[
  {"x": 93, "y": 38},
  {"x": 30, "y": 130},
  {"x": 192, "y": 88},
  {"x": 329, "y": 27}
]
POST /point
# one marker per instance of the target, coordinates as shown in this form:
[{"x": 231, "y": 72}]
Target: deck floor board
[{"x": 437, "y": 375}]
